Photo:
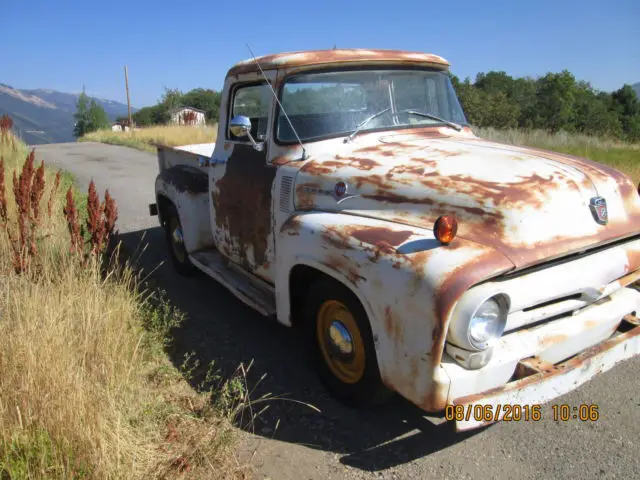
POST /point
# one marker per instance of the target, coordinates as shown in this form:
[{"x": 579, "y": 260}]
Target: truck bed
[
  {"x": 201, "y": 149},
  {"x": 169, "y": 156}
]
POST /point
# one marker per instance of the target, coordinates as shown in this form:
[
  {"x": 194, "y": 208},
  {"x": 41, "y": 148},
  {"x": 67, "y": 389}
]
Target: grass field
[
  {"x": 86, "y": 388},
  {"x": 621, "y": 156},
  {"x": 146, "y": 138}
]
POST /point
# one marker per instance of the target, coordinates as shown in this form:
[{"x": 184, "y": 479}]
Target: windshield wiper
[
  {"x": 412, "y": 112},
  {"x": 433, "y": 117},
  {"x": 364, "y": 122}
]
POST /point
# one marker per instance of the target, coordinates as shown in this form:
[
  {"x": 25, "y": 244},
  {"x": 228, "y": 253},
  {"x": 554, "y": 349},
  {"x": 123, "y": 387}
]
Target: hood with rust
[{"x": 531, "y": 205}]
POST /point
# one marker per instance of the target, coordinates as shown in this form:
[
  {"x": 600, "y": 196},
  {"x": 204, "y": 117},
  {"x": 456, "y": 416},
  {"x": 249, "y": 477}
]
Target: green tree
[
  {"x": 500, "y": 112},
  {"x": 555, "y": 97},
  {"x": 625, "y": 103},
  {"x": 89, "y": 116},
  {"x": 473, "y": 102},
  {"x": 97, "y": 117},
  {"x": 81, "y": 116}
]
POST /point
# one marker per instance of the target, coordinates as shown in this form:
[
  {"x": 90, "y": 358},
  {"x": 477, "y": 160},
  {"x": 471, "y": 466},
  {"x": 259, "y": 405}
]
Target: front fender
[{"x": 406, "y": 280}]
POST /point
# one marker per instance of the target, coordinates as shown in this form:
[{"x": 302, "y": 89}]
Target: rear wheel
[
  {"x": 175, "y": 242},
  {"x": 342, "y": 345}
]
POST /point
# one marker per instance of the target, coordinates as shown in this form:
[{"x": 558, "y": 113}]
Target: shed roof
[{"x": 337, "y": 56}]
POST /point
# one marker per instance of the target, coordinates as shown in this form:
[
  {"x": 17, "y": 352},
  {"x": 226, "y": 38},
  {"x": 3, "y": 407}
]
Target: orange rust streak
[
  {"x": 316, "y": 168},
  {"x": 318, "y": 57},
  {"x": 381, "y": 236},
  {"x": 393, "y": 327}
]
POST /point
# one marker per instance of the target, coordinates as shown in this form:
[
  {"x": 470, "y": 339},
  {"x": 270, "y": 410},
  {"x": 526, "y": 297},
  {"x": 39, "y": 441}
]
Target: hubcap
[
  {"x": 177, "y": 236},
  {"x": 340, "y": 341},
  {"x": 177, "y": 240}
]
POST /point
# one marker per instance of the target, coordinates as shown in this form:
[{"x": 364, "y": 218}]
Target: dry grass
[
  {"x": 146, "y": 138},
  {"x": 621, "y": 156},
  {"x": 86, "y": 389}
]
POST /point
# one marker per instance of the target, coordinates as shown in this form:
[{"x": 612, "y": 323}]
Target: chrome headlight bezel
[
  {"x": 503, "y": 307},
  {"x": 466, "y": 310}
]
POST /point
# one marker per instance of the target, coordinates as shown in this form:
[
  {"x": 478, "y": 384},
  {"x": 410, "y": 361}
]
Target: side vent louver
[{"x": 285, "y": 194}]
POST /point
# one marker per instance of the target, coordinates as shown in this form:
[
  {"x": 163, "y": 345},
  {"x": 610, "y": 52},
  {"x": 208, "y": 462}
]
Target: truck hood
[{"x": 531, "y": 205}]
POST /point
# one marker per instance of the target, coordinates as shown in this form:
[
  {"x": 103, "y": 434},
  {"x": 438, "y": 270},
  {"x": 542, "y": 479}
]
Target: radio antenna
[{"x": 304, "y": 151}]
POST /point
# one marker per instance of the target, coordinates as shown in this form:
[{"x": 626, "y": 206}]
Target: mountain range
[{"x": 46, "y": 116}]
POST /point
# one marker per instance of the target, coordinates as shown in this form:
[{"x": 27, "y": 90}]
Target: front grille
[{"x": 575, "y": 296}]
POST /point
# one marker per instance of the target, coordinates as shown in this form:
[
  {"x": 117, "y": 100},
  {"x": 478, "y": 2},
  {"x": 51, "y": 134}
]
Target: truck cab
[{"x": 347, "y": 195}]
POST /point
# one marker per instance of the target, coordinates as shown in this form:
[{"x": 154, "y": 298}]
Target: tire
[
  {"x": 177, "y": 250},
  {"x": 355, "y": 378}
]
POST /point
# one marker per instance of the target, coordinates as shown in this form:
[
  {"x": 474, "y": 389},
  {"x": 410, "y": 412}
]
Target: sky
[{"x": 186, "y": 44}]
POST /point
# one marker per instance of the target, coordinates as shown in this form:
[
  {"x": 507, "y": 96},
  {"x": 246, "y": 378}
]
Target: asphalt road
[{"x": 290, "y": 440}]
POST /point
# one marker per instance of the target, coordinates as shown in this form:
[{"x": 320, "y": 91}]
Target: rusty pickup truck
[{"x": 347, "y": 195}]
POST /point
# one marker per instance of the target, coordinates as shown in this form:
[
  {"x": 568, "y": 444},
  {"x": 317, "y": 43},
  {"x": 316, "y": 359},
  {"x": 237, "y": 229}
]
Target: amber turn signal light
[{"x": 445, "y": 228}]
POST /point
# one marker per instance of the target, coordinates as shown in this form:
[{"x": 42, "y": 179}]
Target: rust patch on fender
[
  {"x": 335, "y": 237},
  {"x": 243, "y": 202},
  {"x": 393, "y": 327},
  {"x": 291, "y": 227},
  {"x": 381, "y": 237},
  {"x": 281, "y": 160}
]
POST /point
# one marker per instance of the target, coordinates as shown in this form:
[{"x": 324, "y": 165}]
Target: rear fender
[
  {"x": 187, "y": 188},
  {"x": 407, "y": 282}
]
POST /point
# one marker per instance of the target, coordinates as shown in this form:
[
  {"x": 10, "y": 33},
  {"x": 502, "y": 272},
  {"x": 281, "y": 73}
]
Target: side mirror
[{"x": 240, "y": 126}]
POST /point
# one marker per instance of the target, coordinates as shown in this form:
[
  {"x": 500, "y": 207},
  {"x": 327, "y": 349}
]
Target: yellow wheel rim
[
  {"x": 177, "y": 242},
  {"x": 340, "y": 341}
]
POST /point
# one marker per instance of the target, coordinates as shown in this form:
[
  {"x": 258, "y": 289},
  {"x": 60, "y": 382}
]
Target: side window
[{"x": 252, "y": 101}]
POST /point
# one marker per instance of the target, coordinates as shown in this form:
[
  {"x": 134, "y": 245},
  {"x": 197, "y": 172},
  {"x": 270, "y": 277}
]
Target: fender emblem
[{"x": 598, "y": 207}]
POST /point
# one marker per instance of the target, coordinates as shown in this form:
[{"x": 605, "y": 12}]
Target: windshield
[{"x": 322, "y": 105}]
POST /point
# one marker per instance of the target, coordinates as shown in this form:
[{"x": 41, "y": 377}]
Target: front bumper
[{"x": 542, "y": 381}]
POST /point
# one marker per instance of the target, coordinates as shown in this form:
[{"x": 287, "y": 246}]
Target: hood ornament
[{"x": 598, "y": 207}]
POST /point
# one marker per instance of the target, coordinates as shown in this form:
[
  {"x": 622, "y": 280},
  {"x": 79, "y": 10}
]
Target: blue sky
[{"x": 186, "y": 44}]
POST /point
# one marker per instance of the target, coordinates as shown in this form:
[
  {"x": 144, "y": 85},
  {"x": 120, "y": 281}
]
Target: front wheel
[{"x": 342, "y": 345}]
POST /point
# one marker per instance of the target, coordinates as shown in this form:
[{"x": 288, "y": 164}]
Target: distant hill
[
  {"x": 636, "y": 87},
  {"x": 46, "y": 116}
]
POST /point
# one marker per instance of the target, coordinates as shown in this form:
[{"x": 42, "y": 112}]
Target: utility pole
[{"x": 126, "y": 82}]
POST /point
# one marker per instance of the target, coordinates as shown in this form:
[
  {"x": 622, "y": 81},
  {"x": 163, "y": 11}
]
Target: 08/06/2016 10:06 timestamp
[{"x": 521, "y": 413}]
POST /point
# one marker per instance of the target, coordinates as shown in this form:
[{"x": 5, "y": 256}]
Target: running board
[{"x": 252, "y": 291}]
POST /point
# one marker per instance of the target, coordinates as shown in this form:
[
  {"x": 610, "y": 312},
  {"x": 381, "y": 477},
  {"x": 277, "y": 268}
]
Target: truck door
[{"x": 242, "y": 181}]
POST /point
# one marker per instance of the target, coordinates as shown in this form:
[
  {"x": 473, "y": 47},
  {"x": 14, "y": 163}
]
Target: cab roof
[{"x": 338, "y": 56}]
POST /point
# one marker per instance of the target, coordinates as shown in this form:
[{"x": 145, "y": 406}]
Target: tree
[
  {"x": 97, "y": 117},
  {"x": 626, "y": 104},
  {"x": 89, "y": 116},
  {"x": 473, "y": 102},
  {"x": 82, "y": 116},
  {"x": 555, "y": 97}
]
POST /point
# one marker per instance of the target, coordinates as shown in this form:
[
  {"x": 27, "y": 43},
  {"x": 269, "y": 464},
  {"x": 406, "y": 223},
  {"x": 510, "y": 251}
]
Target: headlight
[
  {"x": 479, "y": 321},
  {"x": 486, "y": 324}
]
